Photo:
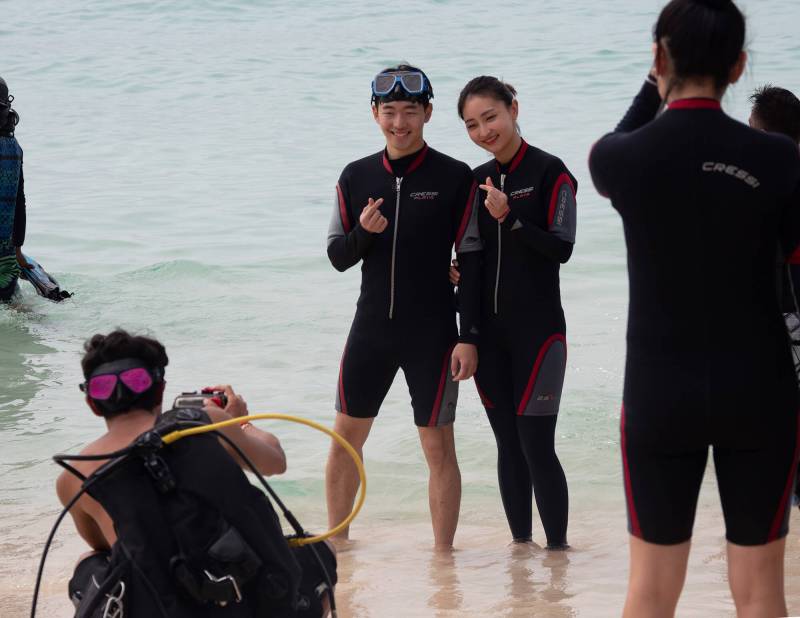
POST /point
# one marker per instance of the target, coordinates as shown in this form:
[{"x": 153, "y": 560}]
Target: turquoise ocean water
[{"x": 180, "y": 161}]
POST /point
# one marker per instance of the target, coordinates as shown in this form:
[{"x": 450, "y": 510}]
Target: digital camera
[{"x": 196, "y": 399}]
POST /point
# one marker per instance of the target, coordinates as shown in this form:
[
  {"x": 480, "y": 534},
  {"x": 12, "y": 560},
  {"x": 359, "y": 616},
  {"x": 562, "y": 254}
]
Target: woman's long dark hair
[{"x": 704, "y": 38}]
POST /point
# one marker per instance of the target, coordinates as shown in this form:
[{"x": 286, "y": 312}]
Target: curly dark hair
[{"x": 119, "y": 344}]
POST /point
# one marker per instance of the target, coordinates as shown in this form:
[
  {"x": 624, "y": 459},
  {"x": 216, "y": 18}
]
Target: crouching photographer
[{"x": 176, "y": 528}]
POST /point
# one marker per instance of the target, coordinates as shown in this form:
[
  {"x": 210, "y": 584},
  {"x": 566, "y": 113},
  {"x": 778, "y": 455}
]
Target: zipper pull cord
[
  {"x": 499, "y": 251},
  {"x": 398, "y": 183}
]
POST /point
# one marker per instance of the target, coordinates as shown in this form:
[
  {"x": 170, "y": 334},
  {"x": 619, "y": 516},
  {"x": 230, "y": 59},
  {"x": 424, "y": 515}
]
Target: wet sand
[{"x": 388, "y": 571}]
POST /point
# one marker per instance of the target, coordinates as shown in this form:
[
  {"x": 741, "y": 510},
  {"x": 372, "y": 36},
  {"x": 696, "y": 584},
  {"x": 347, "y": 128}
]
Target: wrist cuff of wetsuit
[
  {"x": 471, "y": 339},
  {"x": 361, "y": 231},
  {"x": 509, "y": 221},
  {"x": 650, "y": 79},
  {"x": 364, "y": 236}
]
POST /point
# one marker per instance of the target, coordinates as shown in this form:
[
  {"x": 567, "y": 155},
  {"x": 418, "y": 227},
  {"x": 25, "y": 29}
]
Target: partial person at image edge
[
  {"x": 704, "y": 200},
  {"x": 12, "y": 198}
]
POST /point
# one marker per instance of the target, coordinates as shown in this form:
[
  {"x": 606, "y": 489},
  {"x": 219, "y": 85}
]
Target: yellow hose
[{"x": 240, "y": 420}]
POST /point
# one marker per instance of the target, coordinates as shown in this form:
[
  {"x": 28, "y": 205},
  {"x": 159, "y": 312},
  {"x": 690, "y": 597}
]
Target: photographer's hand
[
  {"x": 262, "y": 447},
  {"x": 236, "y": 405}
]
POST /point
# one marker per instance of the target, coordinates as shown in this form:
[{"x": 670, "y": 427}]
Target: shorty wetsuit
[
  {"x": 705, "y": 201},
  {"x": 405, "y": 316},
  {"x": 12, "y": 214},
  {"x": 523, "y": 352}
]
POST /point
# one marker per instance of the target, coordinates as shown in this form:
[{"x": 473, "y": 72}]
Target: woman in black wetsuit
[
  {"x": 527, "y": 223},
  {"x": 705, "y": 202}
]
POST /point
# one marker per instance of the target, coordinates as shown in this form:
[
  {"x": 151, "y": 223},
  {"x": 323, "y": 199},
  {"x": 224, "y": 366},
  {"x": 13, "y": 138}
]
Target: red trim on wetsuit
[
  {"x": 535, "y": 373},
  {"x": 795, "y": 257},
  {"x": 342, "y": 400},
  {"x": 440, "y": 393},
  {"x": 517, "y": 158},
  {"x": 467, "y": 214},
  {"x": 487, "y": 403},
  {"x": 698, "y": 103},
  {"x": 343, "y": 210},
  {"x": 636, "y": 530},
  {"x": 551, "y": 213},
  {"x": 387, "y": 164},
  {"x": 780, "y": 516}
]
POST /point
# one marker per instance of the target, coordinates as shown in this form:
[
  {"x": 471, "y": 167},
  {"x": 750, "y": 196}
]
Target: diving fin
[{"x": 44, "y": 284}]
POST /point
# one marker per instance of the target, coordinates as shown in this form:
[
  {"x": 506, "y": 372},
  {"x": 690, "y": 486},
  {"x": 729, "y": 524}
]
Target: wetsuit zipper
[
  {"x": 398, "y": 182},
  {"x": 499, "y": 249}
]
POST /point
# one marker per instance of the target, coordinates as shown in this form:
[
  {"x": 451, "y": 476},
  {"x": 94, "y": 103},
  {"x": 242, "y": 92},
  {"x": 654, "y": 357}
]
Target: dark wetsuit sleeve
[
  {"x": 603, "y": 158},
  {"x": 19, "y": 214},
  {"x": 468, "y": 247},
  {"x": 643, "y": 109},
  {"x": 348, "y": 242},
  {"x": 557, "y": 241}
]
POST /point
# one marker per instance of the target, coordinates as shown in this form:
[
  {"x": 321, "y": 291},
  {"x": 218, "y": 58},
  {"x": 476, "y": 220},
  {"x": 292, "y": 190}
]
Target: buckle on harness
[
  {"x": 160, "y": 472},
  {"x": 114, "y": 608},
  {"x": 229, "y": 579}
]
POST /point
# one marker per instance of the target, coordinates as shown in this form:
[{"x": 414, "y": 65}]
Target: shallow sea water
[{"x": 180, "y": 160}]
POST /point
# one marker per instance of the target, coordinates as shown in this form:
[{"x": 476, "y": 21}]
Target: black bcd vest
[{"x": 195, "y": 538}]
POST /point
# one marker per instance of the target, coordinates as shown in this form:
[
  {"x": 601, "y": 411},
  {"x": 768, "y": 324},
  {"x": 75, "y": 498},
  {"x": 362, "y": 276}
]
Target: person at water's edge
[
  {"x": 12, "y": 198},
  {"x": 400, "y": 212}
]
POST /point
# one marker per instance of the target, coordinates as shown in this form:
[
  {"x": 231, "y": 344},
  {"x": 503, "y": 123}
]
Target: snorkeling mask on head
[
  {"x": 116, "y": 386},
  {"x": 401, "y": 85}
]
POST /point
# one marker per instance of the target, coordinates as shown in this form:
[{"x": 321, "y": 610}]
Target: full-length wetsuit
[
  {"x": 405, "y": 317},
  {"x": 704, "y": 202},
  {"x": 523, "y": 350},
  {"x": 12, "y": 213}
]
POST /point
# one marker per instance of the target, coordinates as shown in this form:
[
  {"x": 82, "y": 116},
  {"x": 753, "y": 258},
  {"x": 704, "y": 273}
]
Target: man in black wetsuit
[{"x": 400, "y": 212}]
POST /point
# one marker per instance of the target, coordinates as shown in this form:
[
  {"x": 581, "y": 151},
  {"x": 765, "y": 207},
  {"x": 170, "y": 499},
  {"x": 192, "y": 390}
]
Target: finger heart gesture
[
  {"x": 496, "y": 201},
  {"x": 371, "y": 218}
]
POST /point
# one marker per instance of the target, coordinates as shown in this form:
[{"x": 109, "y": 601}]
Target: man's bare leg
[
  {"x": 756, "y": 579},
  {"x": 444, "y": 482},
  {"x": 341, "y": 475}
]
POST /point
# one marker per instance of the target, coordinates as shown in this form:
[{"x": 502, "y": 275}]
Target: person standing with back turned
[
  {"x": 400, "y": 212},
  {"x": 705, "y": 201}
]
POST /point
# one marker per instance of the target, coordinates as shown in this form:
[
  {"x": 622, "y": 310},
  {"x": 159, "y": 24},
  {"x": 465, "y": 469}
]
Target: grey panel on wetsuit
[
  {"x": 471, "y": 240},
  {"x": 338, "y": 404},
  {"x": 565, "y": 217},
  {"x": 336, "y": 227},
  {"x": 447, "y": 408},
  {"x": 793, "y": 327},
  {"x": 546, "y": 396}
]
